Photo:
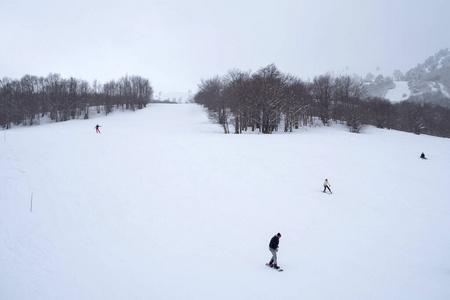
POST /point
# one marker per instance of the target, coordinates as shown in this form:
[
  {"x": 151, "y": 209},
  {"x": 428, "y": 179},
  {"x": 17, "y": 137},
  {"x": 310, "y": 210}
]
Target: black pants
[{"x": 325, "y": 187}]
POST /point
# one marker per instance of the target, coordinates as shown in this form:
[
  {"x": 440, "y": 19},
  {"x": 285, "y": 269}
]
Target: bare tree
[
  {"x": 348, "y": 104},
  {"x": 210, "y": 94},
  {"x": 380, "y": 112},
  {"x": 268, "y": 91},
  {"x": 322, "y": 89},
  {"x": 296, "y": 103},
  {"x": 236, "y": 90}
]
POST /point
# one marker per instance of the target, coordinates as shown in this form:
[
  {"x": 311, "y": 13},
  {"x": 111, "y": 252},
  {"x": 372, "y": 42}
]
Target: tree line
[
  {"x": 268, "y": 100},
  {"x": 31, "y": 98}
]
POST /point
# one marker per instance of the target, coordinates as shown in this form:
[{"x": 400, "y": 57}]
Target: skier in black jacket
[{"x": 273, "y": 248}]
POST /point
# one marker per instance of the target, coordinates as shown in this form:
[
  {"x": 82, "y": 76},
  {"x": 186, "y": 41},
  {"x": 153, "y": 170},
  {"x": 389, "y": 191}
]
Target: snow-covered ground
[
  {"x": 162, "y": 205},
  {"x": 399, "y": 93}
]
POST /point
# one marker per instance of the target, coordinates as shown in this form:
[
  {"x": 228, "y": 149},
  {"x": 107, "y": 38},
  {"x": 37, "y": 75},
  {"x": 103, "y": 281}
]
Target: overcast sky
[{"x": 177, "y": 43}]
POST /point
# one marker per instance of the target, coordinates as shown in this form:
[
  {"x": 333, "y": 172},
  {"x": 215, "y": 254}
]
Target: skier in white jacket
[{"x": 326, "y": 185}]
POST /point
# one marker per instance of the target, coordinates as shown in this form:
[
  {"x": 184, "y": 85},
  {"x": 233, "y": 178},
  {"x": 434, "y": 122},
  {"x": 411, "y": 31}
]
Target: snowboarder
[
  {"x": 422, "y": 156},
  {"x": 273, "y": 248},
  {"x": 96, "y": 128},
  {"x": 326, "y": 185}
]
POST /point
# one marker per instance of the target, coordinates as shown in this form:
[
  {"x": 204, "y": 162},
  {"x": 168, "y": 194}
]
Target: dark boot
[
  {"x": 271, "y": 263},
  {"x": 275, "y": 266}
]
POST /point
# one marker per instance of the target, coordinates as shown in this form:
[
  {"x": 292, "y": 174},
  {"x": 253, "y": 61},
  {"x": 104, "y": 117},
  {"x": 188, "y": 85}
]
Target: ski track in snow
[{"x": 163, "y": 205}]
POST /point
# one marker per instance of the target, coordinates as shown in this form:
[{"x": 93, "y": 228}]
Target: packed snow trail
[{"x": 163, "y": 205}]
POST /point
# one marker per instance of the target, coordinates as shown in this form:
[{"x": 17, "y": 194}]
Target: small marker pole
[{"x": 31, "y": 205}]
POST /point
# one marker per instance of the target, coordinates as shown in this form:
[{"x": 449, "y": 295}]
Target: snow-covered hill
[
  {"x": 162, "y": 205},
  {"x": 428, "y": 82},
  {"x": 399, "y": 93}
]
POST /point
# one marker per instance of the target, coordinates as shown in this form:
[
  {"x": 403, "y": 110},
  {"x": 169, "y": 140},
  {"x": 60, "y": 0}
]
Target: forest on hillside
[{"x": 269, "y": 100}]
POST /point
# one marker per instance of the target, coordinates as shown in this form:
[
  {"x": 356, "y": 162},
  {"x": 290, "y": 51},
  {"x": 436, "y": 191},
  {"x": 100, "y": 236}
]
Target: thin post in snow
[{"x": 31, "y": 205}]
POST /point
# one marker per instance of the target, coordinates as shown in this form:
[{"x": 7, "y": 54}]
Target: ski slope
[
  {"x": 399, "y": 93},
  {"x": 163, "y": 205}
]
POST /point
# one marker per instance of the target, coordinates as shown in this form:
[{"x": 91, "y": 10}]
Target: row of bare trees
[
  {"x": 263, "y": 100},
  {"x": 266, "y": 99},
  {"x": 27, "y": 100}
]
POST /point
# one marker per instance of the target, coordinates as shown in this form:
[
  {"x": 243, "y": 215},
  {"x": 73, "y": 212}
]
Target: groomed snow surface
[{"x": 163, "y": 205}]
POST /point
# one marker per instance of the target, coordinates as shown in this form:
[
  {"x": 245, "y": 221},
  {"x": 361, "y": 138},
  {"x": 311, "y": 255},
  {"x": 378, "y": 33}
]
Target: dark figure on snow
[
  {"x": 422, "y": 156},
  {"x": 96, "y": 128},
  {"x": 326, "y": 185},
  {"x": 273, "y": 248}
]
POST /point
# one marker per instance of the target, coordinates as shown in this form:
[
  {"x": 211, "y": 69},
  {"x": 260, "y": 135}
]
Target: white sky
[{"x": 177, "y": 43}]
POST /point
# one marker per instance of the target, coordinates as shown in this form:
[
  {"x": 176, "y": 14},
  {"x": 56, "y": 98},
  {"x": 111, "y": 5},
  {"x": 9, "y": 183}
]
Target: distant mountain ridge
[{"x": 428, "y": 82}]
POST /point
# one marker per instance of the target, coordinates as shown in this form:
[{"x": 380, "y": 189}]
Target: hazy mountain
[{"x": 428, "y": 82}]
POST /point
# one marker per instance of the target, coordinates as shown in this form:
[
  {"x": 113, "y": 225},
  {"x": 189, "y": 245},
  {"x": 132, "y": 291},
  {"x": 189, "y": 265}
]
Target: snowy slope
[
  {"x": 399, "y": 93},
  {"x": 173, "y": 97},
  {"x": 162, "y": 205}
]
